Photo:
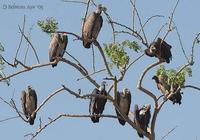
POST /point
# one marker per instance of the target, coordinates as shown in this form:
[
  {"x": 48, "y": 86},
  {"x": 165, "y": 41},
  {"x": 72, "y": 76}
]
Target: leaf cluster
[
  {"x": 49, "y": 25},
  {"x": 2, "y": 65},
  {"x": 174, "y": 76},
  {"x": 118, "y": 54}
]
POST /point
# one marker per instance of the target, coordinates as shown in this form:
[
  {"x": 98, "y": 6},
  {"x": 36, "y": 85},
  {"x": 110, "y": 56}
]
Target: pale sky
[{"x": 46, "y": 80}]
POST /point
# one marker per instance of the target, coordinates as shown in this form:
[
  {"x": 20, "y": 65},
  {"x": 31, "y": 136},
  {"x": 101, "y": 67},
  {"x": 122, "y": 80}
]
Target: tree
[{"x": 117, "y": 57}]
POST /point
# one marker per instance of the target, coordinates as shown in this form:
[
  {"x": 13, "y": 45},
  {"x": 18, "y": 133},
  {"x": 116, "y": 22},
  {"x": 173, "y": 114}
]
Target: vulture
[
  {"x": 92, "y": 26},
  {"x": 97, "y": 104},
  {"x": 160, "y": 49},
  {"x": 165, "y": 89},
  {"x": 29, "y": 104},
  {"x": 142, "y": 117},
  {"x": 124, "y": 102},
  {"x": 57, "y": 46}
]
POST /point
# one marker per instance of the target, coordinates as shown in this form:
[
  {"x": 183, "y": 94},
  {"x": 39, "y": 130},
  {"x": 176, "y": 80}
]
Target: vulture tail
[
  {"x": 86, "y": 44},
  {"x": 140, "y": 135},
  {"x": 95, "y": 119}
]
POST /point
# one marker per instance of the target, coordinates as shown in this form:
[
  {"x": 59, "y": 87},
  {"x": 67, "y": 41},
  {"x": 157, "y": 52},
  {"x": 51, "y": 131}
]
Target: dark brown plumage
[
  {"x": 29, "y": 104},
  {"x": 160, "y": 49},
  {"x": 57, "y": 46},
  {"x": 124, "y": 102},
  {"x": 165, "y": 89},
  {"x": 92, "y": 26},
  {"x": 142, "y": 117},
  {"x": 97, "y": 104}
]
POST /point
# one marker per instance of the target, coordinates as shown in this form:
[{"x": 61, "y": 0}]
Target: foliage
[
  {"x": 49, "y": 25},
  {"x": 117, "y": 53},
  {"x": 2, "y": 65},
  {"x": 174, "y": 76}
]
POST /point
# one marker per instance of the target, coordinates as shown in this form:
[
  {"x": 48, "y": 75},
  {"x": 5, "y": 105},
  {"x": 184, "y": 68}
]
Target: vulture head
[
  {"x": 99, "y": 9},
  {"x": 102, "y": 86},
  {"x": 126, "y": 91}
]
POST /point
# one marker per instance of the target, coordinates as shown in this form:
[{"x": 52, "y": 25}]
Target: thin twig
[
  {"x": 21, "y": 39},
  {"x": 169, "y": 132},
  {"x": 104, "y": 58},
  {"x": 25, "y": 70},
  {"x": 48, "y": 98},
  {"x": 93, "y": 59},
  {"x": 90, "y": 74},
  {"x": 78, "y": 62},
  {"x": 30, "y": 44},
  {"x": 191, "y": 86},
  {"x": 148, "y": 20},
  {"x": 33, "y": 135},
  {"x": 134, "y": 33},
  {"x": 10, "y": 118},
  {"x": 170, "y": 28},
  {"x": 140, "y": 21},
  {"x": 18, "y": 112},
  {"x": 73, "y": 1},
  {"x": 180, "y": 41},
  {"x": 193, "y": 44},
  {"x": 159, "y": 31},
  {"x": 80, "y": 69},
  {"x": 141, "y": 80}
]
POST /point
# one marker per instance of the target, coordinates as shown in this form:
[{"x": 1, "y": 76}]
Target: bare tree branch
[
  {"x": 91, "y": 74},
  {"x": 104, "y": 58},
  {"x": 48, "y": 98},
  {"x": 10, "y": 118},
  {"x": 29, "y": 43},
  {"x": 170, "y": 28},
  {"x": 191, "y": 86},
  {"x": 21, "y": 39},
  {"x": 73, "y": 1},
  {"x": 33, "y": 135},
  {"x": 148, "y": 20},
  {"x": 169, "y": 132},
  {"x": 140, "y": 21},
  {"x": 134, "y": 33},
  {"x": 139, "y": 86}
]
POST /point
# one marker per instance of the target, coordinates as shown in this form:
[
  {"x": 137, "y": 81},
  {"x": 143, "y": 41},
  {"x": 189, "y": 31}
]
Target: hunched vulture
[
  {"x": 165, "y": 88},
  {"x": 92, "y": 26},
  {"x": 29, "y": 104},
  {"x": 142, "y": 117},
  {"x": 160, "y": 49},
  {"x": 57, "y": 46},
  {"x": 124, "y": 102},
  {"x": 97, "y": 104}
]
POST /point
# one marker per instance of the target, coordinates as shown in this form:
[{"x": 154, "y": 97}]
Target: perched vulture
[
  {"x": 29, "y": 104},
  {"x": 142, "y": 117},
  {"x": 160, "y": 49},
  {"x": 124, "y": 102},
  {"x": 92, "y": 26},
  {"x": 165, "y": 89},
  {"x": 57, "y": 46},
  {"x": 97, "y": 104}
]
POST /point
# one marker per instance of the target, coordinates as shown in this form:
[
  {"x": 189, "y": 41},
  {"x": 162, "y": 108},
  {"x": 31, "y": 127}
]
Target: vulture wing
[
  {"x": 23, "y": 100},
  {"x": 93, "y": 108},
  {"x": 62, "y": 44},
  {"x": 53, "y": 48},
  {"x": 32, "y": 105}
]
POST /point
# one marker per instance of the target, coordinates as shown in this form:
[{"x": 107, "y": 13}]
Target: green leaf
[
  {"x": 3, "y": 75},
  {"x": 49, "y": 25},
  {"x": 1, "y": 47},
  {"x": 133, "y": 45},
  {"x": 117, "y": 54},
  {"x": 173, "y": 76}
]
